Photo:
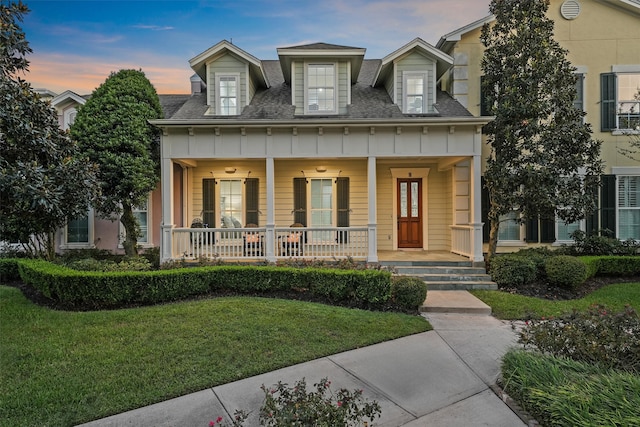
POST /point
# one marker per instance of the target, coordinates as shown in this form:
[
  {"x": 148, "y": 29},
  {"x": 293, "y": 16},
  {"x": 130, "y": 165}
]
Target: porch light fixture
[
  {"x": 229, "y": 170},
  {"x": 321, "y": 168}
]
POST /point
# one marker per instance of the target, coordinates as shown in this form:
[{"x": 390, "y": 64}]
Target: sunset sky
[{"x": 76, "y": 44}]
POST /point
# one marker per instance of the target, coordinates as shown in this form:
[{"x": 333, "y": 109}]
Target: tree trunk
[
  {"x": 494, "y": 226},
  {"x": 130, "y": 224}
]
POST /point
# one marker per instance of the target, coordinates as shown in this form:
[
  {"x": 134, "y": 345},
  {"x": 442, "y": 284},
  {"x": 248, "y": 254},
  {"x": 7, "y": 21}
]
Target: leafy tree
[
  {"x": 543, "y": 162},
  {"x": 112, "y": 128},
  {"x": 633, "y": 152},
  {"x": 44, "y": 181}
]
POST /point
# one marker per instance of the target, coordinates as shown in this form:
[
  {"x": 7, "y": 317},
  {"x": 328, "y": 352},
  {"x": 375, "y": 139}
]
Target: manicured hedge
[
  {"x": 96, "y": 290},
  {"x": 566, "y": 271},
  {"x": 9, "y": 270},
  {"x": 613, "y": 265},
  {"x": 408, "y": 293}
]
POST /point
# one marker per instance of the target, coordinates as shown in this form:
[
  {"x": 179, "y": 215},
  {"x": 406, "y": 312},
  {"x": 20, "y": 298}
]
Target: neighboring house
[
  {"x": 603, "y": 43},
  {"x": 90, "y": 231},
  {"x": 321, "y": 153}
]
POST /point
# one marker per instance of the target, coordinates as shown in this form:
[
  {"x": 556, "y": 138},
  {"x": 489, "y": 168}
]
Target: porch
[{"x": 332, "y": 243}]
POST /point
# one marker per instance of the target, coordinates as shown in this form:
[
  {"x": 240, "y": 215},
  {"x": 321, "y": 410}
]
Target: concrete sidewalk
[{"x": 437, "y": 378}]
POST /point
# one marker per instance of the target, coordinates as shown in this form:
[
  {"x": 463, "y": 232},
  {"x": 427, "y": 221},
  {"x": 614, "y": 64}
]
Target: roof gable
[
  {"x": 443, "y": 61},
  {"x": 67, "y": 96},
  {"x": 199, "y": 62},
  {"x": 320, "y": 50}
]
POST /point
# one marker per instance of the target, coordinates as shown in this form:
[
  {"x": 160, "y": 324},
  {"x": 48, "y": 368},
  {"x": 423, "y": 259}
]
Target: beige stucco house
[
  {"x": 321, "y": 153},
  {"x": 602, "y": 38}
]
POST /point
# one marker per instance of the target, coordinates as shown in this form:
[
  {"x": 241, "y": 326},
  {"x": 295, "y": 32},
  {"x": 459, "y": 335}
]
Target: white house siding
[{"x": 227, "y": 64}]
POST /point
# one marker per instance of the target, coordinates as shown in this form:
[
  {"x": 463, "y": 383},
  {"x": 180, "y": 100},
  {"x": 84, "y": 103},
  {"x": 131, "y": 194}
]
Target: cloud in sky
[{"x": 76, "y": 44}]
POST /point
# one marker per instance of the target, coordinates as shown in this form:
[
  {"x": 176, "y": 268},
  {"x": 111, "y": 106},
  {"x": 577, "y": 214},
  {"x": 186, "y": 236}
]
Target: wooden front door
[{"x": 409, "y": 213}]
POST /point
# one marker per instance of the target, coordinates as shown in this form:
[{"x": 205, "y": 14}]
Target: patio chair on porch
[
  {"x": 252, "y": 244},
  {"x": 293, "y": 243}
]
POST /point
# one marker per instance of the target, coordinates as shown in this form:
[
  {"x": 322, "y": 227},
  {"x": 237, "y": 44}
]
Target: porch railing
[
  {"x": 242, "y": 243},
  {"x": 461, "y": 240}
]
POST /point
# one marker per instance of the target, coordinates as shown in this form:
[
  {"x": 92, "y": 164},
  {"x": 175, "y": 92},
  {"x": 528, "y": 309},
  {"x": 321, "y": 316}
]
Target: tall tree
[
  {"x": 112, "y": 128},
  {"x": 543, "y": 162},
  {"x": 44, "y": 180}
]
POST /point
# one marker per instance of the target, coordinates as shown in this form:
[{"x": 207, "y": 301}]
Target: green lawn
[
  {"x": 64, "y": 368},
  {"x": 511, "y": 306}
]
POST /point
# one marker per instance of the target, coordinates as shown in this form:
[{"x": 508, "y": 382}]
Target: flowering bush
[
  {"x": 597, "y": 336},
  {"x": 294, "y": 406}
]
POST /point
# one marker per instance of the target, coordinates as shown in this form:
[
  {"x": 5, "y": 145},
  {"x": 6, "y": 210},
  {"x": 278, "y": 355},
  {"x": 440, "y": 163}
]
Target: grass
[
  {"x": 512, "y": 306},
  {"x": 64, "y": 368}
]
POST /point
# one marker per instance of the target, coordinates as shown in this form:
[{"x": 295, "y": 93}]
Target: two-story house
[
  {"x": 602, "y": 38},
  {"x": 320, "y": 153}
]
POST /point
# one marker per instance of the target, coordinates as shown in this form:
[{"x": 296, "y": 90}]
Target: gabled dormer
[
  {"x": 66, "y": 105},
  {"x": 232, "y": 77},
  {"x": 410, "y": 74},
  {"x": 320, "y": 76}
]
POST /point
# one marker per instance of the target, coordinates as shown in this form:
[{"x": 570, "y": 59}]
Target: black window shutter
[
  {"x": 342, "y": 185},
  {"x": 208, "y": 202},
  {"x": 531, "y": 227},
  {"x": 252, "y": 200},
  {"x": 300, "y": 201},
  {"x": 547, "y": 231},
  {"x": 484, "y": 208},
  {"x": 607, "y": 101},
  {"x": 608, "y": 203}
]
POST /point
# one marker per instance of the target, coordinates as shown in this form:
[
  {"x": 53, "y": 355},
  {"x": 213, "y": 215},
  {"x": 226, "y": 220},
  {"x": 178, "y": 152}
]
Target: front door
[{"x": 409, "y": 213}]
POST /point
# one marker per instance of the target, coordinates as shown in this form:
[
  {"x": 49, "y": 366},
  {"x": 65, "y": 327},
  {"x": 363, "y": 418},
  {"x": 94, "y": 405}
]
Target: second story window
[
  {"x": 321, "y": 88},
  {"x": 227, "y": 95},
  {"x": 414, "y": 93}
]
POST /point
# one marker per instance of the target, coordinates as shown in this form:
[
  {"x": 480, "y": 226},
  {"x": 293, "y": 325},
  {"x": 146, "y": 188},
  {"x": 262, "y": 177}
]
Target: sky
[{"x": 77, "y": 44}]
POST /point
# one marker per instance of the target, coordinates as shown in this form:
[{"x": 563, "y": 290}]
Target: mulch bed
[{"x": 545, "y": 290}]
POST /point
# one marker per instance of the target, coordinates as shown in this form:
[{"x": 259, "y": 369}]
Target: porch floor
[{"x": 391, "y": 256}]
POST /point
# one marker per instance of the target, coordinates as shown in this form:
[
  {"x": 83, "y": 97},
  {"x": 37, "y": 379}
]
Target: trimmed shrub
[
  {"x": 594, "y": 244},
  {"x": 9, "y": 270},
  {"x": 538, "y": 256},
  {"x": 598, "y": 336},
  {"x": 619, "y": 266},
  {"x": 566, "y": 271},
  {"x": 512, "y": 270},
  {"x": 592, "y": 263},
  {"x": 408, "y": 293}
]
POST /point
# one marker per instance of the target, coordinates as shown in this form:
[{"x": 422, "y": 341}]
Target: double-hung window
[
  {"x": 141, "y": 213},
  {"x": 227, "y": 92},
  {"x": 321, "y": 208},
  {"x": 620, "y": 100},
  {"x": 414, "y": 85},
  {"x": 509, "y": 228},
  {"x": 629, "y": 207},
  {"x": 79, "y": 232},
  {"x": 231, "y": 203},
  {"x": 321, "y": 89}
]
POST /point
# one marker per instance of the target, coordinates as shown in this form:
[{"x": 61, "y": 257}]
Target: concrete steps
[
  {"x": 446, "y": 275},
  {"x": 461, "y": 302}
]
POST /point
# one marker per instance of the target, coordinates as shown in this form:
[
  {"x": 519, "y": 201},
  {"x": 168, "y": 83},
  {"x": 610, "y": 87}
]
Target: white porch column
[
  {"x": 270, "y": 235},
  {"x": 166, "y": 236},
  {"x": 476, "y": 211},
  {"x": 373, "y": 220}
]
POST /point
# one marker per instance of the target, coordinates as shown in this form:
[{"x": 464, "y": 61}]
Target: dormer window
[
  {"x": 321, "y": 89},
  {"x": 414, "y": 93},
  {"x": 227, "y": 94}
]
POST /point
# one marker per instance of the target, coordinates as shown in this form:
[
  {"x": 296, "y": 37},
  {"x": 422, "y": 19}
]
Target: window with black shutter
[
  {"x": 342, "y": 206},
  {"x": 208, "y": 202},
  {"x": 252, "y": 200},
  {"x": 608, "y": 203},
  {"x": 300, "y": 201},
  {"x": 607, "y": 101}
]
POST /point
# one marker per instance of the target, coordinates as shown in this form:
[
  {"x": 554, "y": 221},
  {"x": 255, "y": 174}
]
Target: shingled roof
[{"x": 274, "y": 103}]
